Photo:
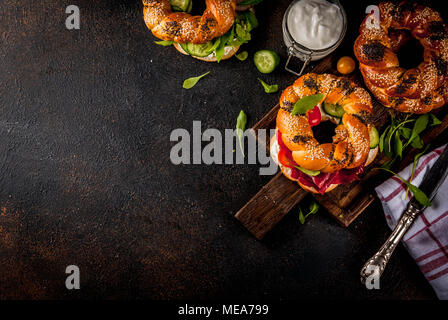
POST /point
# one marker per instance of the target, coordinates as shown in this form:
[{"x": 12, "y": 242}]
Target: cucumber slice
[
  {"x": 180, "y": 5},
  {"x": 184, "y": 46},
  {"x": 202, "y": 50},
  {"x": 374, "y": 137},
  {"x": 333, "y": 110},
  {"x": 266, "y": 61}
]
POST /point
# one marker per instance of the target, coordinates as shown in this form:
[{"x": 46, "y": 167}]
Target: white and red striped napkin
[{"x": 427, "y": 240}]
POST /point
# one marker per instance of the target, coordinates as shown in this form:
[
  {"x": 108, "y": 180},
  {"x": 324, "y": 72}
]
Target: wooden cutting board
[{"x": 346, "y": 202}]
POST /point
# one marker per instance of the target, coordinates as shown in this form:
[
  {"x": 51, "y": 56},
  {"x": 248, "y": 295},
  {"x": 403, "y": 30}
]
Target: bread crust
[
  {"x": 418, "y": 90},
  {"x": 182, "y": 27},
  {"x": 351, "y": 144}
]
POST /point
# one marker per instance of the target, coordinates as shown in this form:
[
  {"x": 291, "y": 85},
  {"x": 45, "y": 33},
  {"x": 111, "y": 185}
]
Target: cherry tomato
[
  {"x": 346, "y": 65},
  {"x": 314, "y": 116}
]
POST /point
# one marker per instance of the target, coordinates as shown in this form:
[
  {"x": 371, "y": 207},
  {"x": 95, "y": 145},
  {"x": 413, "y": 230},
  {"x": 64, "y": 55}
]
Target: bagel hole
[
  {"x": 198, "y": 8},
  {"x": 410, "y": 53},
  {"x": 324, "y": 132}
]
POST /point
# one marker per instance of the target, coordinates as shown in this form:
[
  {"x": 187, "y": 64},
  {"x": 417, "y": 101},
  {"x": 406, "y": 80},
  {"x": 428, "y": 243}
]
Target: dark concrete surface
[{"x": 86, "y": 177}]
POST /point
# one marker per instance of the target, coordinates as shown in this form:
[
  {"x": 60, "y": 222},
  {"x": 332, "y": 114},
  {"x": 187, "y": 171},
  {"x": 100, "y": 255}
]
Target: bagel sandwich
[
  {"x": 216, "y": 35},
  {"x": 321, "y": 167},
  {"x": 417, "y": 90}
]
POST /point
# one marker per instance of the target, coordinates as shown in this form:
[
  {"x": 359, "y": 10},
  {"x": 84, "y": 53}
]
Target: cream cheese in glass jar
[{"x": 312, "y": 29}]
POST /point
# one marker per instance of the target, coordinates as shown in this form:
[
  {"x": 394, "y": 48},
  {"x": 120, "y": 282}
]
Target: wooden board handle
[{"x": 270, "y": 205}]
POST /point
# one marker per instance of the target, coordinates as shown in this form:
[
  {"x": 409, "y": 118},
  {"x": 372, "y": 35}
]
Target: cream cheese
[{"x": 315, "y": 24}]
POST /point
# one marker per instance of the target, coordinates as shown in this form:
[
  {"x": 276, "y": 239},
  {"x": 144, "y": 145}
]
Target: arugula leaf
[
  {"x": 306, "y": 103},
  {"x": 388, "y": 146},
  {"x": 164, "y": 43},
  {"x": 249, "y": 19},
  {"x": 398, "y": 148},
  {"x": 417, "y": 143},
  {"x": 240, "y": 127},
  {"x": 397, "y": 137},
  {"x": 419, "y": 195},
  {"x": 414, "y": 164},
  {"x": 238, "y": 34},
  {"x": 242, "y": 56},
  {"x": 434, "y": 120},
  {"x": 242, "y": 34},
  {"x": 382, "y": 138},
  {"x": 314, "y": 207},
  {"x": 420, "y": 124},
  {"x": 405, "y": 132},
  {"x": 301, "y": 216},
  {"x": 268, "y": 88},
  {"x": 191, "y": 82},
  {"x": 224, "y": 40},
  {"x": 311, "y": 173}
]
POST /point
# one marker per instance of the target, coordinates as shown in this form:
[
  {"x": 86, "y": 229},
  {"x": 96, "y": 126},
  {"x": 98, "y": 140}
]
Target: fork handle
[{"x": 377, "y": 264}]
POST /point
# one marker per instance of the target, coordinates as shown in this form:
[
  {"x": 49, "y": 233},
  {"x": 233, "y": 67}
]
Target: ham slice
[{"x": 322, "y": 181}]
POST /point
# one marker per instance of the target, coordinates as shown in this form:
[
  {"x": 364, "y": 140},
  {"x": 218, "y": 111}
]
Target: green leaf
[
  {"x": 307, "y": 103},
  {"x": 382, "y": 137},
  {"x": 222, "y": 44},
  {"x": 388, "y": 143},
  {"x": 301, "y": 216},
  {"x": 420, "y": 124},
  {"x": 164, "y": 43},
  {"x": 419, "y": 195},
  {"x": 434, "y": 120},
  {"x": 405, "y": 132},
  {"x": 242, "y": 34},
  {"x": 191, "y": 82},
  {"x": 250, "y": 20},
  {"x": 398, "y": 147},
  {"x": 268, "y": 88},
  {"x": 314, "y": 207},
  {"x": 311, "y": 173},
  {"x": 242, "y": 56},
  {"x": 414, "y": 164},
  {"x": 240, "y": 127},
  {"x": 416, "y": 158},
  {"x": 417, "y": 143}
]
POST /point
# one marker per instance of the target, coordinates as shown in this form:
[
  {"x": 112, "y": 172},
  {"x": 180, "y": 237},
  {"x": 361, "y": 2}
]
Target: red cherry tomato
[{"x": 314, "y": 116}]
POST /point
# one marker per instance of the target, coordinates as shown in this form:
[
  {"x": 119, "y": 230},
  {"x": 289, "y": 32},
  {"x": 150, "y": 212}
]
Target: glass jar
[{"x": 303, "y": 53}]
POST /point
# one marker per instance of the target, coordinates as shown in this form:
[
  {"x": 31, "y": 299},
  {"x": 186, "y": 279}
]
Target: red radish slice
[
  {"x": 314, "y": 116},
  {"x": 284, "y": 157}
]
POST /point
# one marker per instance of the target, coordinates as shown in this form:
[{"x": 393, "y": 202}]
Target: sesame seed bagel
[
  {"x": 182, "y": 27},
  {"x": 418, "y": 90},
  {"x": 351, "y": 143}
]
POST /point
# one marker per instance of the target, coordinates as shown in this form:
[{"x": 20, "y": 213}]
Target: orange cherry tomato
[{"x": 346, "y": 65}]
